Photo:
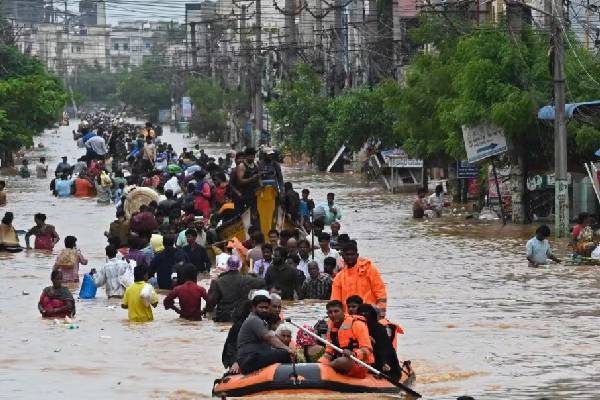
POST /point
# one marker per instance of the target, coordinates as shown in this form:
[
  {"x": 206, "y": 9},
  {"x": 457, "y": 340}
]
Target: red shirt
[{"x": 190, "y": 295}]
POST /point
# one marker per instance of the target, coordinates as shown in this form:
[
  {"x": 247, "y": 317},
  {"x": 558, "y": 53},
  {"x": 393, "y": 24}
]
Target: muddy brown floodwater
[{"x": 478, "y": 320}]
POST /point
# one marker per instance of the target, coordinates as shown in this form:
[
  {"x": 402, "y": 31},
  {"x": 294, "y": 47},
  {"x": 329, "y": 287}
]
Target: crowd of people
[{"x": 168, "y": 244}]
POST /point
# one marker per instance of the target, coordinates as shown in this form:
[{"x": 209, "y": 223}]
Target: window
[
  {"x": 148, "y": 45},
  {"x": 116, "y": 46},
  {"x": 125, "y": 46}
]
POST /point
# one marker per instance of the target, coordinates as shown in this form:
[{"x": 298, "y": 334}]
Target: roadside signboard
[
  {"x": 483, "y": 141},
  {"x": 465, "y": 170},
  {"x": 401, "y": 162},
  {"x": 186, "y": 108}
]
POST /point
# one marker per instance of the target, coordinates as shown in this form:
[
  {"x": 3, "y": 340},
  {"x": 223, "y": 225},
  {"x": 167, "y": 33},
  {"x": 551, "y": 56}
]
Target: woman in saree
[
  {"x": 56, "y": 301},
  {"x": 68, "y": 260},
  {"x": 8, "y": 235},
  {"x": 45, "y": 234}
]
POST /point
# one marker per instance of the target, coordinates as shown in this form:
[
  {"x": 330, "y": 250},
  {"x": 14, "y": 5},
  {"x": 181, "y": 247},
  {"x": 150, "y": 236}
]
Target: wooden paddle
[{"x": 399, "y": 385}]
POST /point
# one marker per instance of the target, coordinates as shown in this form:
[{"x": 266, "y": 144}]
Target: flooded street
[{"x": 478, "y": 320}]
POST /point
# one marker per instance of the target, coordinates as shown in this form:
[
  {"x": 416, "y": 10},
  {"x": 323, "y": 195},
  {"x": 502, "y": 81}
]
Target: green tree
[
  {"x": 30, "y": 100},
  {"x": 95, "y": 84},
  {"x": 363, "y": 114},
  {"x": 147, "y": 88},
  {"x": 300, "y": 113},
  {"x": 209, "y": 116}
]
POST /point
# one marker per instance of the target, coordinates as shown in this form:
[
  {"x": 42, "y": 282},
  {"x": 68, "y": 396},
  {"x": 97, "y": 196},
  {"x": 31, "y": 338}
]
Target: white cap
[{"x": 261, "y": 292}]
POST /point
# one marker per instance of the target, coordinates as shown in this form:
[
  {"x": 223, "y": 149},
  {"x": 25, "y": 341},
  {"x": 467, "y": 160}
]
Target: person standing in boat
[
  {"x": 352, "y": 335},
  {"x": 258, "y": 346},
  {"x": 246, "y": 182},
  {"x": 270, "y": 169},
  {"x": 358, "y": 276}
]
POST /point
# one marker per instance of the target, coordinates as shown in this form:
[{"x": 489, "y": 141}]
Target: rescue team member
[
  {"x": 358, "y": 276},
  {"x": 352, "y": 335}
]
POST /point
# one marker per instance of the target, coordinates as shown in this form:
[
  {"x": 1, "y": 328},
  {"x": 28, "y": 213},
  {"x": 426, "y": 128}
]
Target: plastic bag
[
  {"x": 146, "y": 294},
  {"x": 127, "y": 279},
  {"x": 88, "y": 288}
]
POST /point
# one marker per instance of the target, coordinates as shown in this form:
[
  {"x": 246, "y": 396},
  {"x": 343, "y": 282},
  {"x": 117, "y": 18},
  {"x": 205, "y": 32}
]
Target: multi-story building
[
  {"x": 65, "y": 51},
  {"x": 131, "y": 42}
]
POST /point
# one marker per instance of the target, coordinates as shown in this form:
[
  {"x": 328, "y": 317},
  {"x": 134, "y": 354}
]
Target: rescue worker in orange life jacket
[{"x": 352, "y": 335}]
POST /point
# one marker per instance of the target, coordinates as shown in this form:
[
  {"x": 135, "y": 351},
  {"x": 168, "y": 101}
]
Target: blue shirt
[
  {"x": 63, "y": 187},
  {"x": 538, "y": 251}
]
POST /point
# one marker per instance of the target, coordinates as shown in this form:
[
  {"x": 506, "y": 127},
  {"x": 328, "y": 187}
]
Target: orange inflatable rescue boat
[{"x": 305, "y": 378}]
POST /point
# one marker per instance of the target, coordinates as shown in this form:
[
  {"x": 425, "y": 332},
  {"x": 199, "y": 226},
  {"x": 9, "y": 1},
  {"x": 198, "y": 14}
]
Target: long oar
[{"x": 359, "y": 362}]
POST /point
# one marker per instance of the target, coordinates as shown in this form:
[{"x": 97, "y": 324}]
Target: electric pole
[
  {"x": 243, "y": 49},
  {"x": 561, "y": 185},
  {"x": 194, "y": 46},
  {"x": 258, "y": 103},
  {"x": 290, "y": 38},
  {"x": 319, "y": 37},
  {"x": 338, "y": 48}
]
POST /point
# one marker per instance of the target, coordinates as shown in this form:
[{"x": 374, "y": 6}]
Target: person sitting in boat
[
  {"x": 307, "y": 348},
  {"x": 284, "y": 333},
  {"x": 56, "y": 301},
  {"x": 352, "y": 304},
  {"x": 9, "y": 241},
  {"x": 351, "y": 334},
  {"x": 258, "y": 346},
  {"x": 386, "y": 359}
]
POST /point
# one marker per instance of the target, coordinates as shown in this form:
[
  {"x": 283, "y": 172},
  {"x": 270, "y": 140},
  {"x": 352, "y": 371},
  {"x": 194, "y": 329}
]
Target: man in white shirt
[
  {"x": 325, "y": 251},
  {"x": 173, "y": 185},
  {"x": 109, "y": 274},
  {"x": 437, "y": 200},
  {"x": 96, "y": 146},
  {"x": 304, "y": 254}
]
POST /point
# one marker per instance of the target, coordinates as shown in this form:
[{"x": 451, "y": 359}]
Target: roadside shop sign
[
  {"x": 483, "y": 141},
  {"x": 400, "y": 162},
  {"x": 465, "y": 170}
]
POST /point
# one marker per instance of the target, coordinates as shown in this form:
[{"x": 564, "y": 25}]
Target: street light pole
[{"x": 561, "y": 188}]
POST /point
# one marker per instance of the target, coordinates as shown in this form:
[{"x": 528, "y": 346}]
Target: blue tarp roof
[{"x": 547, "y": 112}]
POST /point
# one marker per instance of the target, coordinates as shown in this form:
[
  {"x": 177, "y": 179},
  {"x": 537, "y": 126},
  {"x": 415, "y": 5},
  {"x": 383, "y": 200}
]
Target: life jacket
[
  {"x": 393, "y": 330},
  {"x": 353, "y": 335}
]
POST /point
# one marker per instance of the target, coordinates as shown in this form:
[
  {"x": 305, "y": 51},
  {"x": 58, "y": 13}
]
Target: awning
[{"x": 547, "y": 112}]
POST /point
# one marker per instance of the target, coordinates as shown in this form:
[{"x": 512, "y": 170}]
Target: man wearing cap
[
  {"x": 228, "y": 292},
  {"x": 270, "y": 169}
]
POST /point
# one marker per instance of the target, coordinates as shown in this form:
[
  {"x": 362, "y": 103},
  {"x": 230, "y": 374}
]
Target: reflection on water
[{"x": 478, "y": 321}]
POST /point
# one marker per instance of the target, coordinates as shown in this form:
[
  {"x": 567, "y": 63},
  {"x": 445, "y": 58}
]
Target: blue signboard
[{"x": 465, "y": 170}]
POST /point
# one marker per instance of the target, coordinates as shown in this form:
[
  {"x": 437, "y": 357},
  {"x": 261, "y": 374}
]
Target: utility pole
[
  {"x": 561, "y": 186},
  {"x": 258, "y": 101},
  {"x": 319, "y": 36},
  {"x": 338, "y": 47},
  {"x": 290, "y": 38},
  {"x": 194, "y": 45}
]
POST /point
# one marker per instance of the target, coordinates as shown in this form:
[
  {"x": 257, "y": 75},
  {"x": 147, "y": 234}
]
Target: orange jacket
[
  {"x": 363, "y": 280},
  {"x": 352, "y": 335}
]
